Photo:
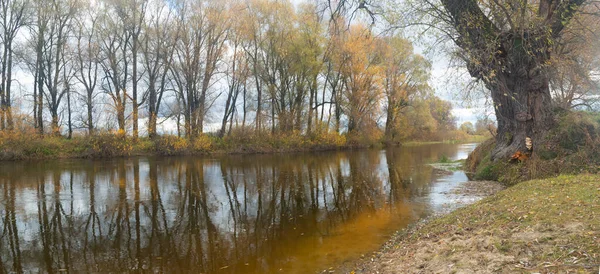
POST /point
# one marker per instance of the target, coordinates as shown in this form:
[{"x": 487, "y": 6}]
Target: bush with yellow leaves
[
  {"x": 109, "y": 144},
  {"x": 202, "y": 144}
]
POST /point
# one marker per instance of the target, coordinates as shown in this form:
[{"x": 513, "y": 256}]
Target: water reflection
[{"x": 239, "y": 214}]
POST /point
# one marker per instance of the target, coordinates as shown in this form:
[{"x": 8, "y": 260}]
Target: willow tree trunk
[
  {"x": 511, "y": 59},
  {"x": 523, "y": 109},
  {"x": 521, "y": 95}
]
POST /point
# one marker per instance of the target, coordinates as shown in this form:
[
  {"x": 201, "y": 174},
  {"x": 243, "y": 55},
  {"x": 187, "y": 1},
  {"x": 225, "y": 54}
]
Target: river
[{"x": 285, "y": 213}]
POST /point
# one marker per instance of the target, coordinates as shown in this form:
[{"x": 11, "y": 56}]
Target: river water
[{"x": 289, "y": 213}]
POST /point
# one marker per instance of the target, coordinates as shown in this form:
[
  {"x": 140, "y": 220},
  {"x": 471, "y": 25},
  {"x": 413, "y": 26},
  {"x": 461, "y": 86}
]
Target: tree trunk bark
[
  {"x": 226, "y": 113},
  {"x": 90, "y": 111},
  {"x": 7, "y": 99},
  {"x": 2, "y": 112},
  {"x": 35, "y": 94},
  {"x": 152, "y": 125},
  {"x": 311, "y": 102},
  {"x": 40, "y": 103},
  {"x": 188, "y": 124},
  {"x": 244, "y": 107},
  {"x": 390, "y": 121},
  {"x": 134, "y": 101},
  {"x": 523, "y": 107},
  {"x": 121, "y": 116},
  {"x": 3, "y": 84},
  {"x": 273, "y": 116},
  {"x": 70, "y": 121},
  {"x": 55, "y": 127},
  {"x": 152, "y": 98}
]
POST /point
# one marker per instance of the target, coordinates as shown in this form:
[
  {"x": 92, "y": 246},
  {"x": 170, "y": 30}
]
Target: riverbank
[
  {"x": 538, "y": 226},
  {"x": 30, "y": 146}
]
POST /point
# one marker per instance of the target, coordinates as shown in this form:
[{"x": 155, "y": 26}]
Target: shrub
[
  {"x": 328, "y": 139},
  {"x": 368, "y": 137},
  {"x": 202, "y": 144},
  {"x": 171, "y": 145},
  {"x": 108, "y": 144},
  {"x": 27, "y": 144}
]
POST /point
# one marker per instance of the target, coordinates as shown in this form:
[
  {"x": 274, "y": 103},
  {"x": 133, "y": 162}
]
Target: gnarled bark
[{"x": 511, "y": 61}]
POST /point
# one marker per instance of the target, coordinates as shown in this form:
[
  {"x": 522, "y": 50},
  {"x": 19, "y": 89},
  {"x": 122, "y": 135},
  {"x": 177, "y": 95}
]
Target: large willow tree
[{"x": 507, "y": 44}]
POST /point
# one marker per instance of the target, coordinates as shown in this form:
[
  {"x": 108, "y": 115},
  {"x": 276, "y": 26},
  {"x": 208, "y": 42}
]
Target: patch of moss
[
  {"x": 485, "y": 170},
  {"x": 546, "y": 154},
  {"x": 486, "y": 173},
  {"x": 479, "y": 158}
]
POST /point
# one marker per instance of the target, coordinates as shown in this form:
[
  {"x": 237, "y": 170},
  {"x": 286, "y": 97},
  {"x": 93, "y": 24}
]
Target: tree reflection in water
[{"x": 250, "y": 214}]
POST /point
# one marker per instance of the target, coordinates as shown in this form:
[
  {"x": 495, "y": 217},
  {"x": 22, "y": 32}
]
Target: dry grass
[
  {"x": 539, "y": 226},
  {"x": 27, "y": 144}
]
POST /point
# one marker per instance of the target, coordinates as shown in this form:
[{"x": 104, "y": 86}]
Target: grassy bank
[
  {"x": 538, "y": 226},
  {"x": 23, "y": 145},
  {"x": 572, "y": 147}
]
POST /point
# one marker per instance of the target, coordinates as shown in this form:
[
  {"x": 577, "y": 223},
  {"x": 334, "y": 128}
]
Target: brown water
[{"x": 293, "y": 213}]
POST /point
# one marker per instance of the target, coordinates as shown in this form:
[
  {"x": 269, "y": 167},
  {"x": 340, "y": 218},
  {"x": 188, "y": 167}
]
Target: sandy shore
[{"x": 393, "y": 255}]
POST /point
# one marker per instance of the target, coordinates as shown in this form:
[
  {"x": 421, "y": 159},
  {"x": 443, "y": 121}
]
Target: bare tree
[
  {"x": 132, "y": 13},
  {"x": 237, "y": 77},
  {"x": 54, "y": 59},
  {"x": 13, "y": 13},
  {"x": 115, "y": 60},
  {"x": 198, "y": 52},
  {"x": 157, "y": 51},
  {"x": 87, "y": 66},
  {"x": 42, "y": 24}
]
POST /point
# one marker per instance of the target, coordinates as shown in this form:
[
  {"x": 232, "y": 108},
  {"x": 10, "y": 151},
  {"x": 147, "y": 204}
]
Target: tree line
[{"x": 267, "y": 65}]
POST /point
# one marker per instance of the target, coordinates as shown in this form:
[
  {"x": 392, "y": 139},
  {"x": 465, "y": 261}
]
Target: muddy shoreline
[{"x": 466, "y": 194}]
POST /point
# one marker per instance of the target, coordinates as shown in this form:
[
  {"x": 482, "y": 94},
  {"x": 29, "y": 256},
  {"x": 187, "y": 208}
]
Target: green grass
[{"x": 444, "y": 159}]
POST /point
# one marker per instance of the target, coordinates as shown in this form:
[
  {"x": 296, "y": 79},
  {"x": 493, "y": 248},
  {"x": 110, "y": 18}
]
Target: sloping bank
[
  {"x": 548, "y": 224},
  {"x": 539, "y": 226}
]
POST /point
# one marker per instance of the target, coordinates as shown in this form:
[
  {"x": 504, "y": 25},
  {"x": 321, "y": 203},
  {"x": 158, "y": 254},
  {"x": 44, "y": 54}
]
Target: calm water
[{"x": 293, "y": 213}]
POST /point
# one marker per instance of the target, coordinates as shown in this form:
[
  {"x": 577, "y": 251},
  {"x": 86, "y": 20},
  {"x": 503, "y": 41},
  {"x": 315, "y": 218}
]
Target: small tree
[
  {"x": 484, "y": 125},
  {"x": 467, "y": 127}
]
